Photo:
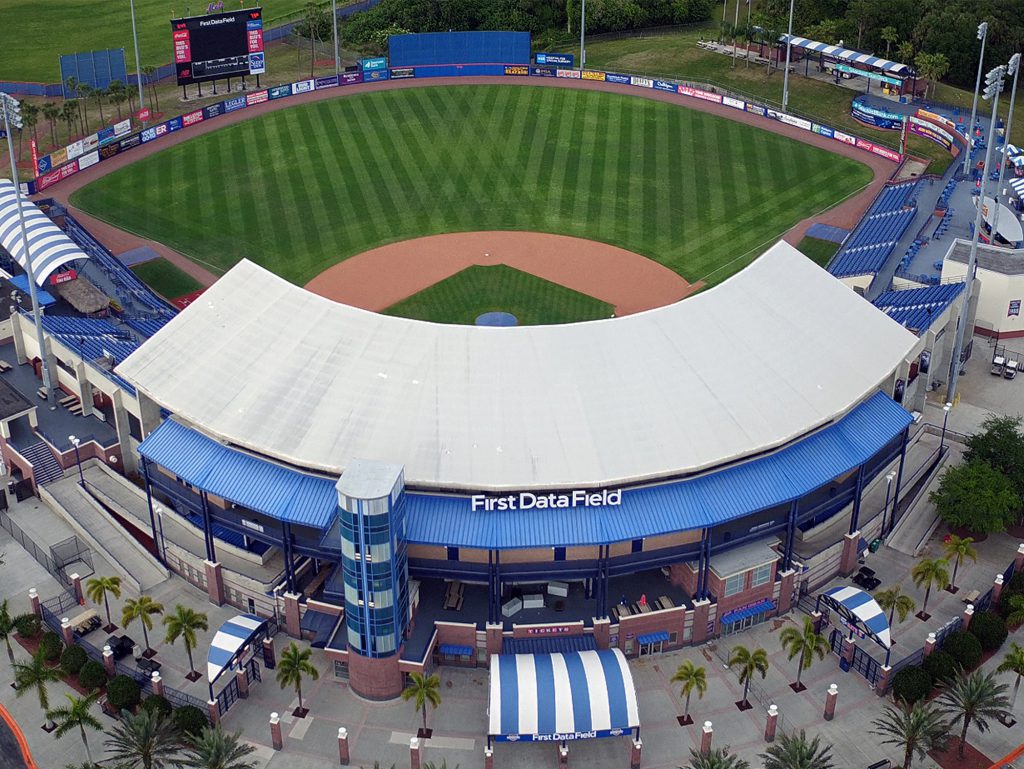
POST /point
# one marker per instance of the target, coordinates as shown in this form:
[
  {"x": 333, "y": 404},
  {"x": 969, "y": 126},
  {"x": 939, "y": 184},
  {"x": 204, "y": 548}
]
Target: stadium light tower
[
  {"x": 11, "y": 110},
  {"x": 334, "y": 22},
  {"x": 789, "y": 47},
  {"x": 1014, "y": 69},
  {"x": 583, "y": 33},
  {"x": 138, "y": 66},
  {"x": 982, "y": 36},
  {"x": 993, "y": 87}
]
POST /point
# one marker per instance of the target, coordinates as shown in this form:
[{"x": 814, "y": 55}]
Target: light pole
[
  {"x": 138, "y": 66},
  {"x": 945, "y": 418},
  {"x": 982, "y": 36},
  {"x": 78, "y": 460},
  {"x": 789, "y": 46},
  {"x": 888, "y": 490},
  {"x": 12, "y": 119},
  {"x": 334, "y": 21},
  {"x": 993, "y": 87},
  {"x": 583, "y": 33},
  {"x": 1013, "y": 69}
]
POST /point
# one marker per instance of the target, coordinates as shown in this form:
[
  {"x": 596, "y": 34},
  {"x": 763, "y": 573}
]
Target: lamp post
[
  {"x": 138, "y": 66},
  {"x": 11, "y": 110},
  {"x": 583, "y": 33},
  {"x": 982, "y": 36},
  {"x": 1013, "y": 69},
  {"x": 945, "y": 418},
  {"x": 78, "y": 459},
  {"x": 993, "y": 87},
  {"x": 334, "y": 21},
  {"x": 888, "y": 490},
  {"x": 789, "y": 47}
]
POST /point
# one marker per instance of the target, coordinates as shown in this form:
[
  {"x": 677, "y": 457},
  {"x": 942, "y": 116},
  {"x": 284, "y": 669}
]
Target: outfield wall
[{"x": 68, "y": 161}]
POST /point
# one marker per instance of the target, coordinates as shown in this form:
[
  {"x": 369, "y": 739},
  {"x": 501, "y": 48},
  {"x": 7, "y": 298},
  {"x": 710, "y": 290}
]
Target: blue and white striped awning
[
  {"x": 846, "y": 54},
  {"x": 232, "y": 636},
  {"x": 1017, "y": 185},
  {"x": 49, "y": 246},
  {"x": 568, "y": 696},
  {"x": 860, "y": 612},
  {"x": 1011, "y": 149}
]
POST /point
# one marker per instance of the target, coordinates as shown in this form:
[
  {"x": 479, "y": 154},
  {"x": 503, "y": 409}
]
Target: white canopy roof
[
  {"x": 761, "y": 359},
  {"x": 49, "y": 246}
]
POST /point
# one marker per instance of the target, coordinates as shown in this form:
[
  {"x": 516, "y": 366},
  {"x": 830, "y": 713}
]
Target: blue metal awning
[
  {"x": 20, "y": 282},
  {"x": 742, "y": 613},
  {"x": 451, "y": 650},
  {"x": 549, "y": 644},
  {"x": 848, "y": 55},
  {"x": 231, "y": 638},
  {"x": 652, "y": 638},
  {"x": 574, "y": 696},
  {"x": 860, "y": 612}
]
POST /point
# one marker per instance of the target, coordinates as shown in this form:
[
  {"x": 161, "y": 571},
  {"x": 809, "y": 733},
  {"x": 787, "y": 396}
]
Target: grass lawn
[
  {"x": 33, "y": 35},
  {"x": 300, "y": 189},
  {"x": 166, "y": 279},
  {"x": 476, "y": 290},
  {"x": 820, "y": 251}
]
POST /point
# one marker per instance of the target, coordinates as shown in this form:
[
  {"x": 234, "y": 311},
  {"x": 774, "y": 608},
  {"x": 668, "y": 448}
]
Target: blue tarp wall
[
  {"x": 433, "y": 48},
  {"x": 95, "y": 68}
]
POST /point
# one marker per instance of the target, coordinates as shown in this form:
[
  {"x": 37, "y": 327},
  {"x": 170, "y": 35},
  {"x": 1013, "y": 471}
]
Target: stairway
[{"x": 44, "y": 465}]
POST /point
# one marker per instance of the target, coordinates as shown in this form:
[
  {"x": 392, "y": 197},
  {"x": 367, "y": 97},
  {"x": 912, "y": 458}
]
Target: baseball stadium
[{"x": 500, "y": 357}]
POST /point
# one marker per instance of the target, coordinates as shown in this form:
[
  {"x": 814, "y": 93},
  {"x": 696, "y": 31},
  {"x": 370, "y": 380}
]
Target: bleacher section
[
  {"x": 915, "y": 308},
  {"x": 146, "y": 326},
  {"x": 867, "y": 249},
  {"x": 97, "y": 341}
]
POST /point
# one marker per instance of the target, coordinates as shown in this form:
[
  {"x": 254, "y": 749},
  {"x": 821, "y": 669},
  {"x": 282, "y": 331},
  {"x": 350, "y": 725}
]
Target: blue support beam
[{"x": 857, "y": 494}]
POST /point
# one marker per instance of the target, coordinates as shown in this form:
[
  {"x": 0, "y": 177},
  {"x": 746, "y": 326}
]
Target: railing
[
  {"x": 862, "y": 662},
  {"x": 39, "y": 554},
  {"x": 753, "y": 688}
]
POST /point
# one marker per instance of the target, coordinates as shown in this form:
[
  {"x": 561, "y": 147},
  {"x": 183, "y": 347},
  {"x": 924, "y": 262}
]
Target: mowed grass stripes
[{"x": 303, "y": 188}]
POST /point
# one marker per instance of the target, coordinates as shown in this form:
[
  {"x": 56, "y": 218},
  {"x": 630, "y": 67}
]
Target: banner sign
[
  {"x": 53, "y": 177},
  {"x": 884, "y": 152},
  {"x": 560, "y": 736},
  {"x": 192, "y": 118},
  {"x": 75, "y": 149},
  {"x": 148, "y": 135},
  {"x": 324, "y": 82},
  {"x": 63, "y": 277},
  {"x": 823, "y": 130},
  {"x": 257, "y": 97},
  {"x": 543, "y": 71},
  {"x": 556, "y": 59},
  {"x": 303, "y": 86},
  {"x": 845, "y": 138},
  {"x": 230, "y": 105},
  {"x": 870, "y": 75},
  {"x": 933, "y": 117},
  {"x": 932, "y": 133},
  {"x": 213, "y": 110},
  {"x": 516, "y": 69},
  {"x": 527, "y": 500},
  {"x": 728, "y": 101},
  {"x": 642, "y": 82},
  {"x": 376, "y": 74},
  {"x": 349, "y": 78},
  {"x": 88, "y": 159},
  {"x": 130, "y": 142},
  {"x": 664, "y": 85},
  {"x": 797, "y": 122},
  {"x": 400, "y": 73},
  {"x": 1014, "y": 308},
  {"x": 108, "y": 151},
  {"x": 376, "y": 63},
  {"x": 572, "y": 74},
  {"x": 612, "y": 77},
  {"x": 589, "y": 74},
  {"x": 697, "y": 93},
  {"x": 876, "y": 118},
  {"x": 280, "y": 91},
  {"x": 756, "y": 109}
]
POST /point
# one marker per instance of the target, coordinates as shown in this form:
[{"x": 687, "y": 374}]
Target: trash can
[{"x": 875, "y": 545}]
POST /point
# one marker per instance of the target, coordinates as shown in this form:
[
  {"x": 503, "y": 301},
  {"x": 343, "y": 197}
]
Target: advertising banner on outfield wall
[
  {"x": 217, "y": 109},
  {"x": 53, "y": 177},
  {"x": 108, "y": 151},
  {"x": 303, "y": 86},
  {"x": 376, "y": 74},
  {"x": 589, "y": 74},
  {"x": 698, "y": 93},
  {"x": 543, "y": 71},
  {"x": 349, "y": 78},
  {"x": 376, "y": 63},
  {"x": 191, "y": 118},
  {"x": 237, "y": 103},
  {"x": 516, "y": 70},
  {"x": 845, "y": 138},
  {"x": 664, "y": 85},
  {"x": 402, "y": 73},
  {"x": 88, "y": 159},
  {"x": 280, "y": 91},
  {"x": 642, "y": 82},
  {"x": 613, "y": 77},
  {"x": 572, "y": 74},
  {"x": 130, "y": 142},
  {"x": 556, "y": 59},
  {"x": 823, "y": 130},
  {"x": 258, "y": 97},
  {"x": 797, "y": 122},
  {"x": 756, "y": 109},
  {"x": 325, "y": 82},
  {"x": 933, "y": 133},
  {"x": 729, "y": 101}
]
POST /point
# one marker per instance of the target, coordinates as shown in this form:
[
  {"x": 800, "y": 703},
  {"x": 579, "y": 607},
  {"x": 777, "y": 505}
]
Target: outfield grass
[
  {"x": 300, "y": 189},
  {"x": 476, "y": 290},
  {"x": 819, "y": 251},
  {"x": 166, "y": 279}
]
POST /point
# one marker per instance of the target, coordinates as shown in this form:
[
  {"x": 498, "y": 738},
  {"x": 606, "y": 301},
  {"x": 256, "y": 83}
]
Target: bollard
[
  {"x": 968, "y": 616},
  {"x": 563, "y": 754},
  {"x": 1018, "y": 562},
  {"x": 76, "y": 588},
  {"x": 276, "y": 738},
  {"x": 488, "y": 758},
  {"x": 997, "y": 588},
  {"x": 771, "y": 723},
  {"x": 243, "y": 684},
  {"x": 108, "y": 661},
  {"x": 830, "y": 702},
  {"x": 158, "y": 684},
  {"x": 33, "y": 599},
  {"x": 213, "y": 709},
  {"x": 705, "y": 738},
  {"x": 634, "y": 755},
  {"x": 343, "y": 756},
  {"x": 929, "y": 644},
  {"x": 414, "y": 752},
  {"x": 66, "y": 632}
]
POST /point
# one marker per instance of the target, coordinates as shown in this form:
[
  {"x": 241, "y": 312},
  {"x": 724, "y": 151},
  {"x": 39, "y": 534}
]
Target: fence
[
  {"x": 42, "y": 556},
  {"x": 230, "y": 694},
  {"x": 69, "y": 551},
  {"x": 754, "y": 689},
  {"x": 862, "y": 662}
]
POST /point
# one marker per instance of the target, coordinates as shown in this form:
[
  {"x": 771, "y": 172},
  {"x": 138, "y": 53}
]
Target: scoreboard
[{"x": 218, "y": 45}]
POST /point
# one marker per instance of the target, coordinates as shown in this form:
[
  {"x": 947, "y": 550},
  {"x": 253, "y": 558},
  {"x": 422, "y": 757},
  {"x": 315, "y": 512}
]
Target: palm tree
[
  {"x": 7, "y": 626},
  {"x": 117, "y": 92},
  {"x": 99, "y": 93},
  {"x": 915, "y": 729},
  {"x": 69, "y": 114},
  {"x": 1016, "y": 615},
  {"x": 959, "y": 549},
  {"x": 36, "y": 674},
  {"x": 424, "y": 690},
  {"x": 71, "y": 87},
  {"x": 154, "y": 100},
  {"x": 890, "y": 36},
  {"x": 692, "y": 677},
  {"x": 293, "y": 665},
  {"x": 214, "y": 748},
  {"x": 929, "y": 573},
  {"x": 77, "y": 715},
  {"x": 974, "y": 698},
  {"x": 184, "y": 623},
  {"x": 716, "y": 758},
  {"x": 805, "y": 644},
  {"x": 895, "y": 602},
  {"x": 85, "y": 92},
  {"x": 931, "y": 66},
  {"x": 796, "y": 752},
  {"x": 1013, "y": 662},
  {"x": 141, "y": 609},
  {"x": 748, "y": 662},
  {"x": 29, "y": 120},
  {"x": 99, "y": 589},
  {"x": 52, "y": 113},
  {"x": 144, "y": 741}
]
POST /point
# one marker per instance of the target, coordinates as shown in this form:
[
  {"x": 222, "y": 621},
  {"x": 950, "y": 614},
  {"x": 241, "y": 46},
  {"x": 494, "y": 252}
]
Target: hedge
[
  {"x": 72, "y": 659},
  {"x": 154, "y": 703},
  {"x": 911, "y": 684},
  {"x": 51, "y": 646},
  {"x": 990, "y": 630},
  {"x": 940, "y": 665},
  {"x": 964, "y": 648},
  {"x": 28, "y": 625},
  {"x": 190, "y": 720},
  {"x": 92, "y": 676}
]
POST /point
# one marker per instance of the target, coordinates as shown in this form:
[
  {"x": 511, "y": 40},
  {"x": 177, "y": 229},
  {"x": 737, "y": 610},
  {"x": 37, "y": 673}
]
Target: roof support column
[
  {"x": 289, "y": 567},
  {"x": 493, "y": 588},
  {"x": 152, "y": 516},
  {"x": 787, "y": 558},
  {"x": 899, "y": 480},
  {"x": 857, "y": 493},
  {"x": 704, "y": 564},
  {"x": 211, "y": 555},
  {"x": 601, "y": 588}
]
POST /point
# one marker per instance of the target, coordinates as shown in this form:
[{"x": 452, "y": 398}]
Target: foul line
[{"x": 19, "y": 737}]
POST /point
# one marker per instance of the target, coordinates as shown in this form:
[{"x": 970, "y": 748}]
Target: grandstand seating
[
  {"x": 914, "y": 308},
  {"x": 867, "y": 249}
]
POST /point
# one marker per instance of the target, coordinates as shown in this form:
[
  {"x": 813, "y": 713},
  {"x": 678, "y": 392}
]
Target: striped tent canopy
[
  {"x": 860, "y": 612},
  {"x": 1012, "y": 150},
  {"x": 49, "y": 246},
  {"x": 568, "y": 696},
  {"x": 855, "y": 57},
  {"x": 230, "y": 638},
  {"x": 1017, "y": 185}
]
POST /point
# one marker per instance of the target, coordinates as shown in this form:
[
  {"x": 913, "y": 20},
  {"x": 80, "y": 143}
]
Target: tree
[
  {"x": 1015, "y": 616},
  {"x": 8, "y": 626},
  {"x": 805, "y": 644},
  {"x": 716, "y": 758},
  {"x": 826, "y": 30},
  {"x": 793, "y": 751},
  {"x": 958, "y": 549},
  {"x": 292, "y": 667},
  {"x": 862, "y": 13},
  {"x": 77, "y": 715},
  {"x": 929, "y": 573},
  {"x": 154, "y": 100},
  {"x": 117, "y": 93},
  {"x": 915, "y": 729},
  {"x": 100, "y": 93},
  {"x": 29, "y": 120},
  {"x": 1000, "y": 443},
  {"x": 184, "y": 623},
  {"x": 99, "y": 589},
  {"x": 890, "y": 36},
  {"x": 976, "y": 496},
  {"x": 315, "y": 25},
  {"x": 1013, "y": 662},
  {"x": 748, "y": 662},
  {"x": 933, "y": 66},
  {"x": 69, "y": 114},
  {"x": 424, "y": 690},
  {"x": 142, "y": 609},
  {"x": 36, "y": 674},
  {"x": 213, "y": 748},
  {"x": 905, "y": 52},
  {"x": 52, "y": 113},
  {"x": 895, "y": 602},
  {"x": 693, "y": 678},
  {"x": 974, "y": 698},
  {"x": 144, "y": 741},
  {"x": 85, "y": 92},
  {"x": 71, "y": 86}
]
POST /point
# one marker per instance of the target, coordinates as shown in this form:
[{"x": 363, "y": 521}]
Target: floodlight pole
[
  {"x": 1014, "y": 69},
  {"x": 993, "y": 87},
  {"x": 334, "y": 21},
  {"x": 138, "y": 65},
  {"x": 789, "y": 46},
  {"x": 12, "y": 119},
  {"x": 982, "y": 36},
  {"x": 583, "y": 33}
]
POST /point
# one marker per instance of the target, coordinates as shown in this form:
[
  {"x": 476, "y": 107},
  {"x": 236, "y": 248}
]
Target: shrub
[
  {"x": 964, "y": 648},
  {"x": 123, "y": 693},
  {"x": 190, "y": 720},
  {"x": 72, "y": 659},
  {"x": 28, "y": 625},
  {"x": 51, "y": 646},
  {"x": 940, "y": 666},
  {"x": 990, "y": 630},
  {"x": 155, "y": 703},
  {"x": 92, "y": 676},
  {"x": 1016, "y": 583},
  {"x": 911, "y": 684},
  {"x": 1004, "y": 609}
]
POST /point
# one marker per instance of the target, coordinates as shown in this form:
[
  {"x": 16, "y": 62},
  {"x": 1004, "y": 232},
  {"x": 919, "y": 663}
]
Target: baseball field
[{"x": 303, "y": 188}]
